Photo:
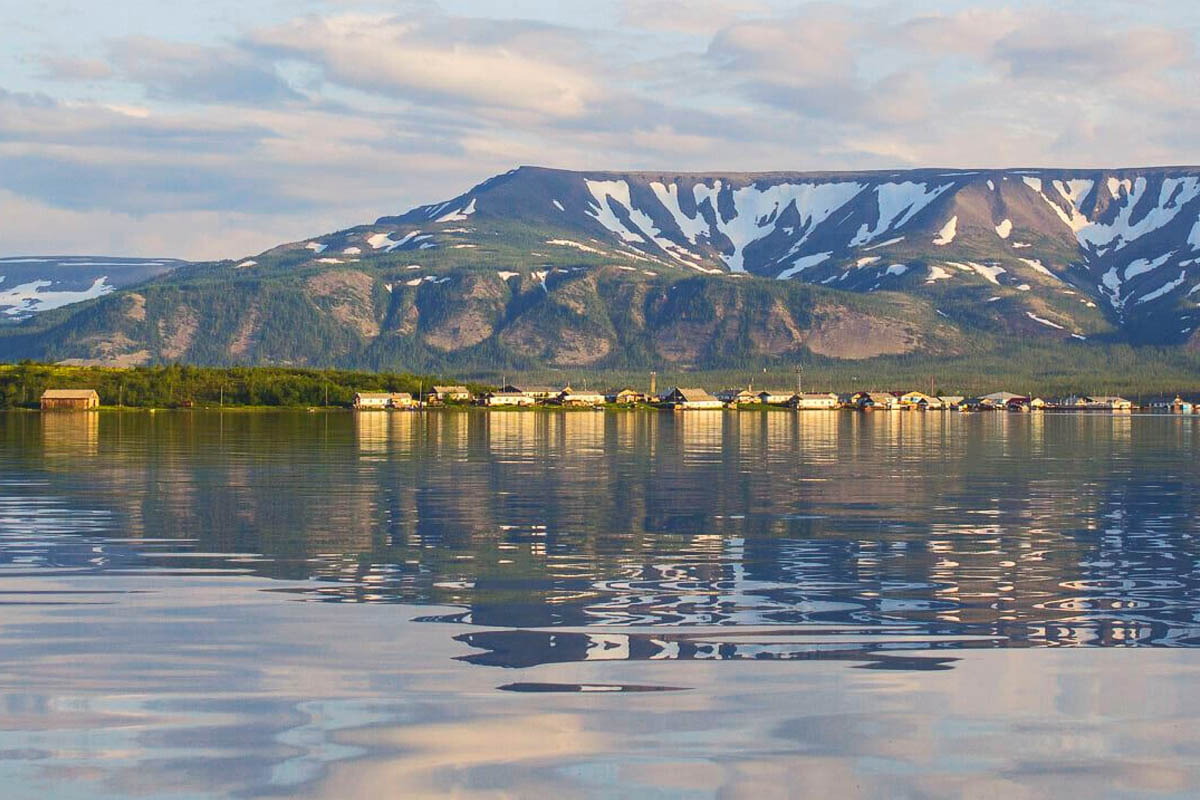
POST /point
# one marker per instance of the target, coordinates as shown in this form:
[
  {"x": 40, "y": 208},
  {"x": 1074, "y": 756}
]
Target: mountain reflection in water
[
  {"x": 622, "y": 604},
  {"x": 985, "y": 530}
]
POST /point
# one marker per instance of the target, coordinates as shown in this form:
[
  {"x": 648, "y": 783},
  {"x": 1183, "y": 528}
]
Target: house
[
  {"x": 916, "y": 400},
  {"x": 999, "y": 399},
  {"x": 775, "y": 397},
  {"x": 1038, "y": 404},
  {"x": 737, "y": 397},
  {"x": 951, "y": 401},
  {"x": 880, "y": 401},
  {"x": 382, "y": 401},
  {"x": 625, "y": 397},
  {"x": 574, "y": 397},
  {"x": 451, "y": 394},
  {"x": 1017, "y": 404},
  {"x": 506, "y": 398},
  {"x": 70, "y": 399},
  {"x": 681, "y": 399},
  {"x": 543, "y": 393},
  {"x": 1114, "y": 403},
  {"x": 813, "y": 400}
]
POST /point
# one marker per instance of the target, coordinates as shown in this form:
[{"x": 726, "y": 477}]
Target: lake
[{"x": 619, "y": 604}]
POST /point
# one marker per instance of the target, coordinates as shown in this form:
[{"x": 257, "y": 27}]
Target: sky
[{"x": 219, "y": 129}]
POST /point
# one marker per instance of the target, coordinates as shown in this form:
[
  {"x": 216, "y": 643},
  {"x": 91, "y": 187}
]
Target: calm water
[{"x": 607, "y": 604}]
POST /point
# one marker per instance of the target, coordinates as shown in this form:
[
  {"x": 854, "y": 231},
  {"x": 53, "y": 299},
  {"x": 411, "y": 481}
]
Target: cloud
[
  {"x": 499, "y": 66},
  {"x": 198, "y": 74},
  {"x": 688, "y": 16},
  {"x": 328, "y": 120},
  {"x": 65, "y": 68}
]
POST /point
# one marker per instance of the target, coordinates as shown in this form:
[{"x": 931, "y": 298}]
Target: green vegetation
[{"x": 176, "y": 386}]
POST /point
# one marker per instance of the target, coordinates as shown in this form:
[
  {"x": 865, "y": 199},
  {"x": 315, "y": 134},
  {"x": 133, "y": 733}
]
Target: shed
[{"x": 70, "y": 399}]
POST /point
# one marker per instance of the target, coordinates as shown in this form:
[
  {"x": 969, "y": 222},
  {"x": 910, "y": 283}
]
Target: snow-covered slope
[
  {"x": 29, "y": 284},
  {"x": 1125, "y": 242}
]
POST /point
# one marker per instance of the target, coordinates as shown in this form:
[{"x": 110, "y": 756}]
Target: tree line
[{"x": 181, "y": 386}]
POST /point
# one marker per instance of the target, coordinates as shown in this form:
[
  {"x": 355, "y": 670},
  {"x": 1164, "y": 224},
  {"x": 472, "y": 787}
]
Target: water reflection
[
  {"x": 709, "y": 604},
  {"x": 1021, "y": 529}
]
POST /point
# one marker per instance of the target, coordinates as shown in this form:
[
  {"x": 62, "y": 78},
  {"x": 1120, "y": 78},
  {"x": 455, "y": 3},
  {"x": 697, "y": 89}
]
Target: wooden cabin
[
  {"x": 575, "y": 397},
  {"x": 451, "y": 394},
  {"x": 70, "y": 399},
  {"x": 682, "y": 399},
  {"x": 506, "y": 398},
  {"x": 625, "y": 397},
  {"x": 383, "y": 401},
  {"x": 775, "y": 397},
  {"x": 814, "y": 401},
  {"x": 737, "y": 397}
]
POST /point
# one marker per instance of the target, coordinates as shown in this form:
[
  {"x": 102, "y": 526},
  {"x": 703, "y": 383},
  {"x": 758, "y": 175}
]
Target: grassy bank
[{"x": 177, "y": 386}]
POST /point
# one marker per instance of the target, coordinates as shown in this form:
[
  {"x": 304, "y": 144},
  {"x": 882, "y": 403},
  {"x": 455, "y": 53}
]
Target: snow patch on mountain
[
  {"x": 1044, "y": 321},
  {"x": 1143, "y": 265},
  {"x": 460, "y": 215},
  {"x": 937, "y": 274},
  {"x": 1128, "y": 197},
  {"x": 576, "y": 245},
  {"x": 31, "y": 297},
  {"x": 757, "y": 210},
  {"x": 1166, "y": 288},
  {"x": 1004, "y": 228},
  {"x": 897, "y": 204},
  {"x": 803, "y": 263},
  {"x": 1038, "y": 266},
  {"x": 385, "y": 242},
  {"x": 947, "y": 233},
  {"x": 990, "y": 273},
  {"x": 880, "y": 245}
]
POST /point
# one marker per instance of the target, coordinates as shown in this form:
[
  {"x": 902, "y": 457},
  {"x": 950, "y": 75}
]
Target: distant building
[
  {"x": 70, "y": 399},
  {"x": 681, "y": 399},
  {"x": 1000, "y": 399},
  {"x": 383, "y": 401},
  {"x": 737, "y": 397},
  {"x": 918, "y": 400},
  {"x": 775, "y": 397},
  {"x": 814, "y": 401},
  {"x": 542, "y": 393},
  {"x": 506, "y": 398},
  {"x": 574, "y": 397},
  {"x": 951, "y": 401},
  {"x": 625, "y": 397},
  {"x": 1115, "y": 403},
  {"x": 451, "y": 394},
  {"x": 879, "y": 401}
]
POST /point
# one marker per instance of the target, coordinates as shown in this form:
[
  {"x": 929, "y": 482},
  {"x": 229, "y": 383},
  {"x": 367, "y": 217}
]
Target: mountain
[
  {"x": 541, "y": 267},
  {"x": 31, "y": 284}
]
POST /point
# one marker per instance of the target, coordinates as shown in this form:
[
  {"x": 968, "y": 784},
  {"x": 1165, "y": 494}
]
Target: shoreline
[{"x": 607, "y": 408}]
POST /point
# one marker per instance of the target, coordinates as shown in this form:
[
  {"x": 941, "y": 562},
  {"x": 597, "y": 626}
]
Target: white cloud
[
  {"x": 420, "y": 61},
  {"x": 286, "y": 128}
]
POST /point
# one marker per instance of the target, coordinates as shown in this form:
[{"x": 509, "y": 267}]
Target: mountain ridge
[{"x": 542, "y": 266}]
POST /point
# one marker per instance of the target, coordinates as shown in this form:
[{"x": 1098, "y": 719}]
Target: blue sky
[{"x": 219, "y": 129}]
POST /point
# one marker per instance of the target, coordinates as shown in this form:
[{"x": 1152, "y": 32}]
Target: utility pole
[{"x": 799, "y": 380}]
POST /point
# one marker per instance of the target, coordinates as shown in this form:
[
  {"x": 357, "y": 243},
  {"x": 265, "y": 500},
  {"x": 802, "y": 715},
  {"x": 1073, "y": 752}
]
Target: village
[{"x": 680, "y": 398}]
